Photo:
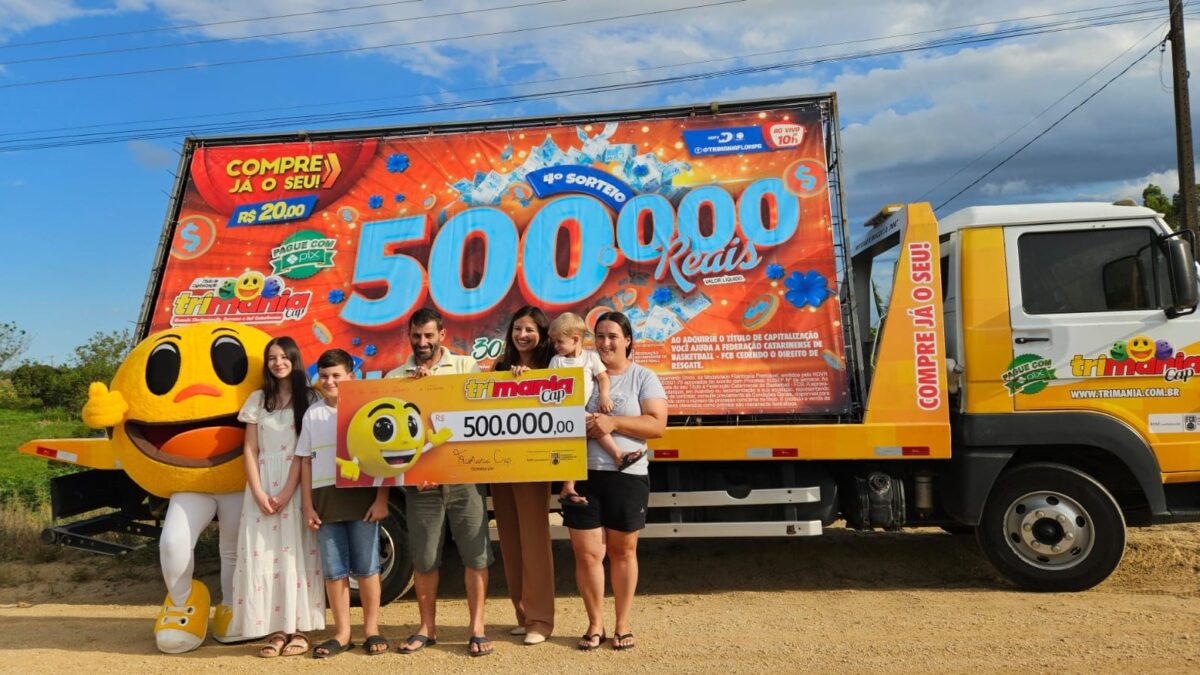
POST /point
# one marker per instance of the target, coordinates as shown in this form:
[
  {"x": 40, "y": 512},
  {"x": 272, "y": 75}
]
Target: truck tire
[
  {"x": 395, "y": 560},
  {"x": 1052, "y": 528}
]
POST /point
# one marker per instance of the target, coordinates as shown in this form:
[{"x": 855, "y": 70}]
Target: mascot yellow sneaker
[
  {"x": 222, "y": 618},
  {"x": 182, "y": 629}
]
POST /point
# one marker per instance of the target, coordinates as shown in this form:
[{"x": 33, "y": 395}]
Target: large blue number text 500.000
[{"x": 389, "y": 285}]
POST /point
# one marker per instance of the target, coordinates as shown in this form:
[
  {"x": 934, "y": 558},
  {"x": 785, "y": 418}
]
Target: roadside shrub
[
  {"x": 47, "y": 386},
  {"x": 20, "y": 530}
]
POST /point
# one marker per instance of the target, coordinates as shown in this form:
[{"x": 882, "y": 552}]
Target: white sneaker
[
  {"x": 534, "y": 638},
  {"x": 519, "y": 630}
]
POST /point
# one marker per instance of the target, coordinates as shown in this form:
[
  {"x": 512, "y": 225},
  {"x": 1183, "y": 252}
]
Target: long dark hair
[
  {"x": 541, "y": 353},
  {"x": 621, "y": 320},
  {"x": 297, "y": 379}
]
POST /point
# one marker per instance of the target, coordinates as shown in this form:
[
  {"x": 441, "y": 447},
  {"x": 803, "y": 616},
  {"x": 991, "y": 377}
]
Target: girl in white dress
[{"x": 277, "y": 585}]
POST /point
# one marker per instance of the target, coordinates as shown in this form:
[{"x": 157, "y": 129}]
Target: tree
[
  {"x": 66, "y": 386},
  {"x": 38, "y": 384},
  {"x": 13, "y": 342},
  {"x": 98, "y": 358},
  {"x": 1153, "y": 197}
]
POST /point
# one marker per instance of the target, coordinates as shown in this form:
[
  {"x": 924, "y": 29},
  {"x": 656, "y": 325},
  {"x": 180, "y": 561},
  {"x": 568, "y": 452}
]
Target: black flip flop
[
  {"x": 629, "y": 459},
  {"x": 573, "y": 500},
  {"x": 623, "y": 636},
  {"x": 479, "y": 641},
  {"x": 585, "y": 642},
  {"x": 423, "y": 640},
  {"x": 332, "y": 648},
  {"x": 373, "y": 641}
]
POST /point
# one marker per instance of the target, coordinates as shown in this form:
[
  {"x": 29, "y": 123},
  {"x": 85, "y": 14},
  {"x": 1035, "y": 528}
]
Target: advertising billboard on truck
[{"x": 712, "y": 233}]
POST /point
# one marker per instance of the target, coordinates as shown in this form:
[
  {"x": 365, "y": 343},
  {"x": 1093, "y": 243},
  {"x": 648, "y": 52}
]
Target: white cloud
[
  {"x": 1168, "y": 180},
  {"x": 153, "y": 156},
  {"x": 915, "y": 125},
  {"x": 17, "y": 16},
  {"x": 1010, "y": 187}
]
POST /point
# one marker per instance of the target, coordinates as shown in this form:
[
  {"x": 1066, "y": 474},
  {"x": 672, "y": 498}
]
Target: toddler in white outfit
[{"x": 566, "y": 332}]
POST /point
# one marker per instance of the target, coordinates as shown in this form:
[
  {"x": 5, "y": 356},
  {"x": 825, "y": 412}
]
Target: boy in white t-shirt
[{"x": 566, "y": 332}]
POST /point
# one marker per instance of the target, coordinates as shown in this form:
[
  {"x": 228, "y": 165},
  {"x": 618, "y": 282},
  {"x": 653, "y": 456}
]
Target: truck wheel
[
  {"x": 1048, "y": 527},
  {"x": 395, "y": 560}
]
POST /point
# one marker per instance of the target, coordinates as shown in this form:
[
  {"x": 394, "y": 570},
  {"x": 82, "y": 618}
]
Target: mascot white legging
[{"x": 187, "y": 515}]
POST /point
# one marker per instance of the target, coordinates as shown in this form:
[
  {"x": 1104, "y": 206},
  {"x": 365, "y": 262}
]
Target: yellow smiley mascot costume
[{"x": 171, "y": 415}]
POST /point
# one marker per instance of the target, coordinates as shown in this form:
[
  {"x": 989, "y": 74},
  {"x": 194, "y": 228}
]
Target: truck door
[{"x": 1088, "y": 329}]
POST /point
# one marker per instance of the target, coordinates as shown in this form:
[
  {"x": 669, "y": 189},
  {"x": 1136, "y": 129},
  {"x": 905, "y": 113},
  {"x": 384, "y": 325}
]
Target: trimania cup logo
[
  {"x": 1138, "y": 356},
  {"x": 553, "y": 389},
  {"x": 250, "y": 298}
]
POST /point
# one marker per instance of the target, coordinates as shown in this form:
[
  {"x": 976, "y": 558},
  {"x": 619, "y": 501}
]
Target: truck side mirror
[{"x": 1181, "y": 262}]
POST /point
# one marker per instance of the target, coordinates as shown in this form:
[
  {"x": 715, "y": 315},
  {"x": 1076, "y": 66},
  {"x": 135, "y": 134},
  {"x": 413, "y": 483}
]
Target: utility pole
[{"x": 1183, "y": 120}]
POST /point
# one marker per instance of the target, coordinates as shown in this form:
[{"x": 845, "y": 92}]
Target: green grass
[
  {"x": 23, "y": 478},
  {"x": 25, "y": 491}
]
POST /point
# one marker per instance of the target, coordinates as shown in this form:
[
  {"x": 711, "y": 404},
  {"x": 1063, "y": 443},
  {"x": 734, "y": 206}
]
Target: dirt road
[{"x": 914, "y": 602}]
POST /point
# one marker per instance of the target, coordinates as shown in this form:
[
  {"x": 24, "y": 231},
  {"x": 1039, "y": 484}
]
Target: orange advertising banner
[{"x": 712, "y": 233}]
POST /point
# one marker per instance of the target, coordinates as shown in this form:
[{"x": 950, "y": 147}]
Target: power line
[
  {"x": 120, "y": 50},
  {"x": 352, "y": 50},
  {"x": 225, "y": 128},
  {"x": 189, "y": 26},
  {"x": 1048, "y": 129},
  {"x": 1033, "y": 119},
  {"x": 303, "y": 31},
  {"x": 245, "y": 125},
  {"x": 995, "y": 35},
  {"x": 576, "y": 77},
  {"x": 347, "y": 50}
]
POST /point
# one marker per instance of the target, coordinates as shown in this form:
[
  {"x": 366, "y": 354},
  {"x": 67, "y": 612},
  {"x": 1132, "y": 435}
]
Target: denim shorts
[{"x": 349, "y": 547}]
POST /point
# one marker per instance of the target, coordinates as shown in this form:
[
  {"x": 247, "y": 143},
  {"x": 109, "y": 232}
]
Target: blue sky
[{"x": 82, "y": 222}]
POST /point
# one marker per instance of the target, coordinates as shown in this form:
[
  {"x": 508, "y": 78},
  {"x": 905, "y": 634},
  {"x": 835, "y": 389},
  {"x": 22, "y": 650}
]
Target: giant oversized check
[{"x": 474, "y": 428}]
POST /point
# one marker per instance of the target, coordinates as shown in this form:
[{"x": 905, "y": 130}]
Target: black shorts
[{"x": 616, "y": 501}]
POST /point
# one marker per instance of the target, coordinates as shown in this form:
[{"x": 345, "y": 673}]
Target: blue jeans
[{"x": 349, "y": 547}]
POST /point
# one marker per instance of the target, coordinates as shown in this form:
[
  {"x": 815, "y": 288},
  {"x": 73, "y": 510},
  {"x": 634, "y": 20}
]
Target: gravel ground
[{"x": 919, "y": 601}]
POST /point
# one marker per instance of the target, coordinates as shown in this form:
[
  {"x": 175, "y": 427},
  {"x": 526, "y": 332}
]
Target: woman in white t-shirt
[
  {"x": 566, "y": 332},
  {"x": 615, "y": 509}
]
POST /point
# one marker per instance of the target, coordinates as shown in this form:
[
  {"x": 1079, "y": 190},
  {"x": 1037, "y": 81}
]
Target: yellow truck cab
[{"x": 1073, "y": 338}]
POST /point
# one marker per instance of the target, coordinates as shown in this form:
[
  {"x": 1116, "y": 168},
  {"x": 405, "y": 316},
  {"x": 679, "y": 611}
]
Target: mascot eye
[
  {"x": 414, "y": 425},
  {"x": 384, "y": 429},
  {"x": 229, "y": 360},
  {"x": 162, "y": 368}
]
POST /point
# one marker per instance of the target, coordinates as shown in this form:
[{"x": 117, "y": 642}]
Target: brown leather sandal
[
  {"x": 296, "y": 645},
  {"x": 275, "y": 644}
]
